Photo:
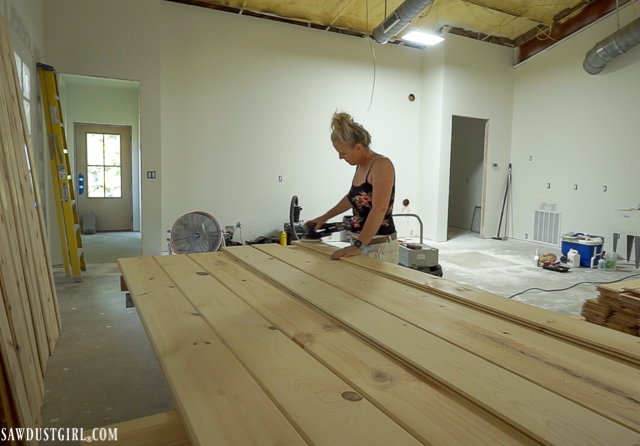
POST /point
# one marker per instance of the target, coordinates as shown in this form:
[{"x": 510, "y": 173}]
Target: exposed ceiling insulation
[{"x": 527, "y": 25}]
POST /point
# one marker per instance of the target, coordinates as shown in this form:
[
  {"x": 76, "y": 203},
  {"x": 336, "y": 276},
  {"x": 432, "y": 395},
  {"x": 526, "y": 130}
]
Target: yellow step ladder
[{"x": 68, "y": 222}]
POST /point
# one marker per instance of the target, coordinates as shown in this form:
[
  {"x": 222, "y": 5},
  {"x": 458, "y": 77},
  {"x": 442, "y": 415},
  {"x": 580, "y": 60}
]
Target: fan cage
[{"x": 201, "y": 229}]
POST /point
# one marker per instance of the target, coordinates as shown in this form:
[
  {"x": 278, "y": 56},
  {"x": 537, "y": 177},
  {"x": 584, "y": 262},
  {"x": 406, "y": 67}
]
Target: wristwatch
[{"x": 360, "y": 245}]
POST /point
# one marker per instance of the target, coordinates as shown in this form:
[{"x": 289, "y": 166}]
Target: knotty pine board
[
  {"x": 432, "y": 413},
  {"x": 309, "y": 394},
  {"x": 163, "y": 429},
  {"x": 597, "y": 338},
  {"x": 544, "y": 415},
  {"x": 218, "y": 400},
  {"x": 591, "y": 380}
]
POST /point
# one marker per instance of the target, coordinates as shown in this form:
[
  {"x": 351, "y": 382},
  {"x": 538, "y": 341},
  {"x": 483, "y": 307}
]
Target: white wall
[
  {"x": 432, "y": 97},
  {"x": 117, "y": 39},
  {"x": 246, "y": 100},
  {"x": 478, "y": 83},
  {"x": 580, "y": 129},
  {"x": 243, "y": 101},
  {"x": 111, "y": 105},
  {"x": 465, "y": 180}
]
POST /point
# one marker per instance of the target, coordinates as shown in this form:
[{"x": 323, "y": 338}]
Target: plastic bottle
[
  {"x": 536, "y": 259},
  {"x": 611, "y": 260},
  {"x": 573, "y": 258},
  {"x": 602, "y": 264},
  {"x": 283, "y": 238}
]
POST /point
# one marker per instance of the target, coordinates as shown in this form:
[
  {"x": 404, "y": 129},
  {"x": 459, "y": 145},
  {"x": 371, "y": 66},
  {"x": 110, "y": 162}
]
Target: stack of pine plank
[
  {"x": 29, "y": 316},
  {"x": 617, "y": 306},
  {"x": 281, "y": 345}
]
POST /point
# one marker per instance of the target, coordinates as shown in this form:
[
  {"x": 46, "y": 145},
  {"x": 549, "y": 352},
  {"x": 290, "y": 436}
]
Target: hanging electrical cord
[
  {"x": 373, "y": 55},
  {"x": 373, "y": 87},
  {"x": 574, "y": 285}
]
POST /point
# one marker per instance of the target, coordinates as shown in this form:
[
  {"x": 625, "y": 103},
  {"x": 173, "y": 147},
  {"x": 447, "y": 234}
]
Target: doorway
[
  {"x": 104, "y": 165},
  {"x": 467, "y": 173}
]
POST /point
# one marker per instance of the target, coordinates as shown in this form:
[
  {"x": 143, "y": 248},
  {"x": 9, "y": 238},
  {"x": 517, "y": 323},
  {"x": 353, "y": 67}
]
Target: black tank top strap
[{"x": 366, "y": 178}]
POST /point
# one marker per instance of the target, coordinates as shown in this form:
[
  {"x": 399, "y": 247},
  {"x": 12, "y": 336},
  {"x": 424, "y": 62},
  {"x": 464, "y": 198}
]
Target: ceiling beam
[
  {"x": 506, "y": 12},
  {"x": 559, "y": 31},
  {"x": 497, "y": 40}
]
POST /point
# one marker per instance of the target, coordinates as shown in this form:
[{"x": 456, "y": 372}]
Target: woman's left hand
[{"x": 349, "y": 251}]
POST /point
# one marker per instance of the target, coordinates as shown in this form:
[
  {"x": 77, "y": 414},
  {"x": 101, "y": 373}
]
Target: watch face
[{"x": 358, "y": 243}]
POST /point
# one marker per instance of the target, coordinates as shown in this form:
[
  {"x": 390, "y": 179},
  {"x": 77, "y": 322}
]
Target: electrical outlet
[
  {"x": 604, "y": 189},
  {"x": 575, "y": 187},
  {"x": 238, "y": 225},
  {"x": 526, "y": 236},
  {"x": 530, "y": 157},
  {"x": 548, "y": 185}
]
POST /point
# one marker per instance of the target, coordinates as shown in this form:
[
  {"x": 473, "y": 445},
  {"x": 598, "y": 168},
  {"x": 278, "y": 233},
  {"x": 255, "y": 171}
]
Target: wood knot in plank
[
  {"x": 302, "y": 338},
  {"x": 272, "y": 328},
  {"x": 202, "y": 273},
  {"x": 331, "y": 327},
  {"x": 351, "y": 396},
  {"x": 380, "y": 376}
]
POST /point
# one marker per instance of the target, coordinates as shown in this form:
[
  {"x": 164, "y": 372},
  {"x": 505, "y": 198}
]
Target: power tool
[{"x": 313, "y": 235}]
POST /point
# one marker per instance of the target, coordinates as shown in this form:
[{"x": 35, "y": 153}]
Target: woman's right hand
[{"x": 319, "y": 221}]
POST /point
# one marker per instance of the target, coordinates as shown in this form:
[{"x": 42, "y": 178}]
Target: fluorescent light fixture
[{"x": 422, "y": 38}]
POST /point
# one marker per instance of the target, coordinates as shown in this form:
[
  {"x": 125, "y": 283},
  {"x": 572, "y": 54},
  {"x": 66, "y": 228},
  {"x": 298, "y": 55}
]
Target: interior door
[{"x": 103, "y": 158}]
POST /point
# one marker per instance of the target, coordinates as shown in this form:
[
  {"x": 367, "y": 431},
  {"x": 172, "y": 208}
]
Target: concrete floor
[{"x": 104, "y": 371}]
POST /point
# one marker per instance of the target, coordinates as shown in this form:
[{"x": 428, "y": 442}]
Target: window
[
  {"x": 104, "y": 166},
  {"x": 24, "y": 76}
]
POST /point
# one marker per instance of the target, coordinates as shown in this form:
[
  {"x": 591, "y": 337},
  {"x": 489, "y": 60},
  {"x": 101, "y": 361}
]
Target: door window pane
[
  {"x": 27, "y": 114},
  {"x": 104, "y": 166},
  {"x": 26, "y": 82},
  {"x": 112, "y": 150},
  {"x": 112, "y": 181},
  {"x": 19, "y": 68},
  {"x": 95, "y": 180},
  {"x": 95, "y": 149}
]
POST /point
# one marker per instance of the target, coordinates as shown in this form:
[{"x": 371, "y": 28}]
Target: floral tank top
[{"x": 360, "y": 198}]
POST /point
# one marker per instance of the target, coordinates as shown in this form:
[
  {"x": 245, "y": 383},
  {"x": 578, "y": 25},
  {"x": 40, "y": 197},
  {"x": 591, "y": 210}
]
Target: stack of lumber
[
  {"x": 617, "y": 306},
  {"x": 29, "y": 316},
  {"x": 267, "y": 344}
]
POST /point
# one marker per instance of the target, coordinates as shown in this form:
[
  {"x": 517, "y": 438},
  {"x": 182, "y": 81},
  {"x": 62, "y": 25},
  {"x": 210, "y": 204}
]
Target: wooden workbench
[{"x": 273, "y": 345}]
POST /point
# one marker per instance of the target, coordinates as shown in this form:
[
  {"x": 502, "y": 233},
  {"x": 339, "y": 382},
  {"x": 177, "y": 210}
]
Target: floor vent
[{"x": 546, "y": 227}]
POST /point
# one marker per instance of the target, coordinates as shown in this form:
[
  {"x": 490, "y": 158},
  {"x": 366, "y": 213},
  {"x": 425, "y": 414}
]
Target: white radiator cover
[{"x": 546, "y": 227}]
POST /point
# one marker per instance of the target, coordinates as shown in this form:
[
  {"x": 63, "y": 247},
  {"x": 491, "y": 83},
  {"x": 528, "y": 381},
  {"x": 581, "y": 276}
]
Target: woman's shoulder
[
  {"x": 382, "y": 163},
  {"x": 382, "y": 169}
]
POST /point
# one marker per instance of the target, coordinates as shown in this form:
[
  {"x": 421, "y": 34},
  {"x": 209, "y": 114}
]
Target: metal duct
[
  {"x": 611, "y": 47},
  {"x": 398, "y": 19}
]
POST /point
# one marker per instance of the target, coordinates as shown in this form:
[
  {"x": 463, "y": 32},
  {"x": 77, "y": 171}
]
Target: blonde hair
[{"x": 346, "y": 131}]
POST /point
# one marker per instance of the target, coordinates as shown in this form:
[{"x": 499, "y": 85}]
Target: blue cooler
[{"x": 588, "y": 246}]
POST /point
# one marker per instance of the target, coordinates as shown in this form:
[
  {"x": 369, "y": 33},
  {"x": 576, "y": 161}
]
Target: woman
[{"x": 371, "y": 195}]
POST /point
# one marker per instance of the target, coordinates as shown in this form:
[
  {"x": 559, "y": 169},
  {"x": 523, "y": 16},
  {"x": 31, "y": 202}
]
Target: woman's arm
[{"x": 343, "y": 206}]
